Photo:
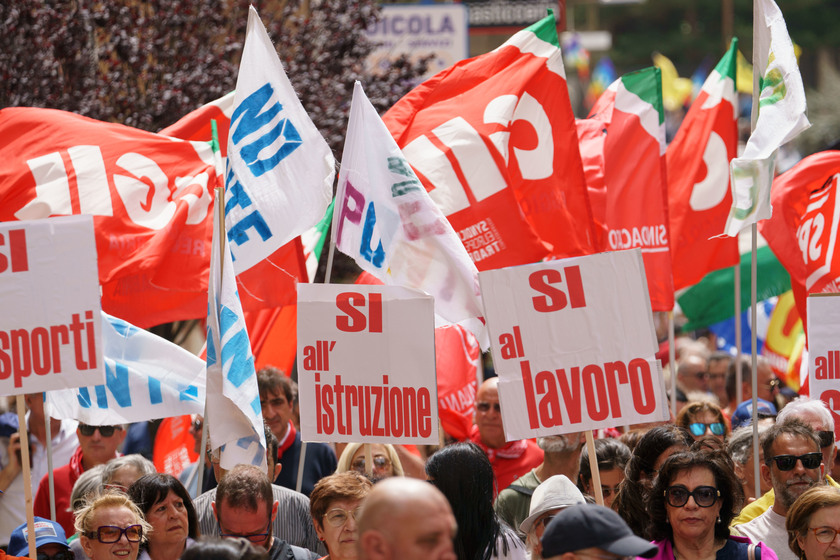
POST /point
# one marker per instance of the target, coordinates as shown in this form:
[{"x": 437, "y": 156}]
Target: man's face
[
  {"x": 717, "y": 378},
  {"x": 488, "y": 415},
  {"x": 789, "y": 485},
  {"x": 96, "y": 448},
  {"x": 693, "y": 374},
  {"x": 277, "y": 411},
  {"x": 254, "y": 525},
  {"x": 768, "y": 387},
  {"x": 424, "y": 532}
]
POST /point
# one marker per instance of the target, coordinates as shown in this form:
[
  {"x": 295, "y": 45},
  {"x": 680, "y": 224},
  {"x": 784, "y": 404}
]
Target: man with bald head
[
  {"x": 406, "y": 519},
  {"x": 509, "y": 460}
]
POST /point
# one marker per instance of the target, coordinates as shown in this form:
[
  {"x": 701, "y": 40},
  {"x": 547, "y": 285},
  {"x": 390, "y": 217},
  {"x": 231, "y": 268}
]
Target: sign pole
[
  {"x": 593, "y": 468},
  {"x": 27, "y": 474},
  {"x": 48, "y": 443}
]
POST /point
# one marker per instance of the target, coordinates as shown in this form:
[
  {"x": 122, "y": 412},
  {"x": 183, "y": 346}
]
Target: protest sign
[
  {"x": 824, "y": 350},
  {"x": 574, "y": 344},
  {"x": 366, "y": 364},
  {"x": 49, "y": 292}
]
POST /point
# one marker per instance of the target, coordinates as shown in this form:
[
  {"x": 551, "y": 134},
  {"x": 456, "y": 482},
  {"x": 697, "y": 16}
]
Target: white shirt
[{"x": 769, "y": 528}]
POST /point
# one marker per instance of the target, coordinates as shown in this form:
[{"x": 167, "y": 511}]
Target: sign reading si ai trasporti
[
  {"x": 824, "y": 350},
  {"x": 574, "y": 344},
  {"x": 366, "y": 364},
  {"x": 49, "y": 294}
]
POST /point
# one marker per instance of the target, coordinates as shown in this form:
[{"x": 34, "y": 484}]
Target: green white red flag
[
  {"x": 699, "y": 197},
  {"x": 622, "y": 145},
  {"x": 493, "y": 140}
]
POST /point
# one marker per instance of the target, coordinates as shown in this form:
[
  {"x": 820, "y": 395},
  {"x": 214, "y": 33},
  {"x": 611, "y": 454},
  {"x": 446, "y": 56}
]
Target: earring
[{"x": 718, "y": 519}]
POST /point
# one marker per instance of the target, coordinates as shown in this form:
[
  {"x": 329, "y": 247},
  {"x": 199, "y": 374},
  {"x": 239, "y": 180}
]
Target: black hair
[{"x": 150, "y": 489}]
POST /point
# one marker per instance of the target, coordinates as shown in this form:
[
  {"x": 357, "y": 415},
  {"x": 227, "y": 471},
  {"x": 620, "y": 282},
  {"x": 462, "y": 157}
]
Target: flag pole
[
  {"x": 27, "y": 474},
  {"x": 672, "y": 358},
  {"x": 739, "y": 376},
  {"x": 756, "y": 93},
  {"x": 48, "y": 444}
]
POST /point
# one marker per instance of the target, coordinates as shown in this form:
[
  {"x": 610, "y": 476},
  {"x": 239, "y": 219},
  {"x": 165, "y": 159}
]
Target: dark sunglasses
[
  {"x": 699, "y": 428},
  {"x": 826, "y": 438},
  {"x": 61, "y": 555},
  {"x": 105, "y": 431},
  {"x": 788, "y": 462},
  {"x": 485, "y": 406},
  {"x": 704, "y": 496}
]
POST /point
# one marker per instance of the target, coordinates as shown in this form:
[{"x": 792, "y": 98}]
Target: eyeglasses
[
  {"x": 699, "y": 428},
  {"x": 545, "y": 521},
  {"x": 774, "y": 384},
  {"x": 380, "y": 462},
  {"x": 338, "y": 516},
  {"x": 61, "y": 555},
  {"x": 826, "y": 438},
  {"x": 107, "y": 534},
  {"x": 700, "y": 374},
  {"x": 105, "y": 431},
  {"x": 254, "y": 538},
  {"x": 704, "y": 496},
  {"x": 485, "y": 406},
  {"x": 788, "y": 462},
  {"x": 823, "y": 535}
]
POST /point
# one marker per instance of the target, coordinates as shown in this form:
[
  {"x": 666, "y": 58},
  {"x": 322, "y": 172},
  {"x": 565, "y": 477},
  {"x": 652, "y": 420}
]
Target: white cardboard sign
[
  {"x": 366, "y": 364},
  {"x": 49, "y": 293},
  {"x": 824, "y": 350},
  {"x": 573, "y": 344}
]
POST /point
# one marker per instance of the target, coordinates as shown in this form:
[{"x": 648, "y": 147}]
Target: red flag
[
  {"x": 493, "y": 140},
  {"x": 622, "y": 145},
  {"x": 803, "y": 229},
  {"x": 457, "y": 356},
  {"x": 699, "y": 197},
  {"x": 197, "y": 126}
]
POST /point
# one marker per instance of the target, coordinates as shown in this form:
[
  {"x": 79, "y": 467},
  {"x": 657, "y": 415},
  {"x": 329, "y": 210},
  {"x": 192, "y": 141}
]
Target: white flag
[
  {"x": 146, "y": 377},
  {"x": 781, "y": 117},
  {"x": 280, "y": 169},
  {"x": 234, "y": 415},
  {"x": 387, "y": 222}
]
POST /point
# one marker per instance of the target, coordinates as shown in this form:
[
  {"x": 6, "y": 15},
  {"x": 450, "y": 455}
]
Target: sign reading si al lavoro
[
  {"x": 824, "y": 350},
  {"x": 49, "y": 294},
  {"x": 366, "y": 364},
  {"x": 574, "y": 344}
]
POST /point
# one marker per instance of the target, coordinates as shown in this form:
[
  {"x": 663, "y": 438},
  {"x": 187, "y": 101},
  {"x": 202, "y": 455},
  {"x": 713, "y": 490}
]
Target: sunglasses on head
[
  {"x": 704, "y": 496},
  {"x": 699, "y": 428},
  {"x": 485, "y": 406},
  {"x": 104, "y": 431},
  {"x": 788, "y": 462}
]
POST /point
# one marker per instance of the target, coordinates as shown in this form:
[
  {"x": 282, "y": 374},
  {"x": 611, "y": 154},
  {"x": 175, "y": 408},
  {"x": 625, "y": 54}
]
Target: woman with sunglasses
[
  {"x": 386, "y": 463},
  {"x": 690, "y": 506},
  {"x": 703, "y": 418},
  {"x": 167, "y": 507},
  {"x": 813, "y": 523},
  {"x": 111, "y": 527},
  {"x": 334, "y": 505}
]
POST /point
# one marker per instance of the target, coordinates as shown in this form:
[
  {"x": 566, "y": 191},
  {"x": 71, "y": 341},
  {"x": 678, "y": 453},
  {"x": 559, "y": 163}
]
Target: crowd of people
[{"x": 679, "y": 490}]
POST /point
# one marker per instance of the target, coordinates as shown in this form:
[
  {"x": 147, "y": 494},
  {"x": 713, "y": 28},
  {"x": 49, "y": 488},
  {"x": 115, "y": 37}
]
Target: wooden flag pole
[
  {"x": 27, "y": 474},
  {"x": 593, "y": 468}
]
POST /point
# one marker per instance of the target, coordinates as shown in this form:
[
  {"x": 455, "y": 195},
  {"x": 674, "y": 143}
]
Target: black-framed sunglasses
[
  {"x": 826, "y": 437},
  {"x": 788, "y": 462},
  {"x": 704, "y": 496},
  {"x": 485, "y": 406},
  {"x": 104, "y": 431},
  {"x": 107, "y": 534},
  {"x": 699, "y": 428},
  {"x": 60, "y": 555}
]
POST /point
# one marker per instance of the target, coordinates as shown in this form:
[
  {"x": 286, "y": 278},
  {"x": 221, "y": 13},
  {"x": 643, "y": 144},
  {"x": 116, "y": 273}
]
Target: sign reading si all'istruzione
[
  {"x": 49, "y": 295},
  {"x": 574, "y": 344},
  {"x": 366, "y": 364}
]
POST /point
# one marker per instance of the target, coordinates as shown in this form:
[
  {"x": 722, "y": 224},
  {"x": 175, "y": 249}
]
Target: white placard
[
  {"x": 824, "y": 350},
  {"x": 49, "y": 293},
  {"x": 574, "y": 344},
  {"x": 366, "y": 364}
]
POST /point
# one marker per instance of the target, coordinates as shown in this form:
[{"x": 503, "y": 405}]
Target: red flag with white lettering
[
  {"x": 699, "y": 198},
  {"x": 493, "y": 140},
  {"x": 802, "y": 232},
  {"x": 196, "y": 125}
]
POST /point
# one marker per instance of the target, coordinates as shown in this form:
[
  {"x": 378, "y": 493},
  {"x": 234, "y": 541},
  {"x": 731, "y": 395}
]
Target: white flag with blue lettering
[
  {"x": 388, "y": 223},
  {"x": 280, "y": 169},
  {"x": 234, "y": 415},
  {"x": 146, "y": 377}
]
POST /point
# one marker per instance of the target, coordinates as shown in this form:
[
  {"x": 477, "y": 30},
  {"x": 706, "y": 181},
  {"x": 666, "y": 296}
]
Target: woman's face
[
  {"x": 169, "y": 521},
  {"x": 123, "y": 549},
  {"x": 691, "y": 521},
  {"x": 338, "y": 529},
  {"x": 610, "y": 479},
  {"x": 382, "y": 467},
  {"x": 828, "y": 517},
  {"x": 706, "y": 417},
  {"x": 646, "y": 479}
]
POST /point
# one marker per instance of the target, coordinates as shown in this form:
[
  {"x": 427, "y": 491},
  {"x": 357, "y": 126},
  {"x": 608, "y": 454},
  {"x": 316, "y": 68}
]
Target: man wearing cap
[
  {"x": 743, "y": 414},
  {"x": 815, "y": 414},
  {"x": 550, "y": 497},
  {"x": 592, "y": 532},
  {"x": 50, "y": 540}
]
